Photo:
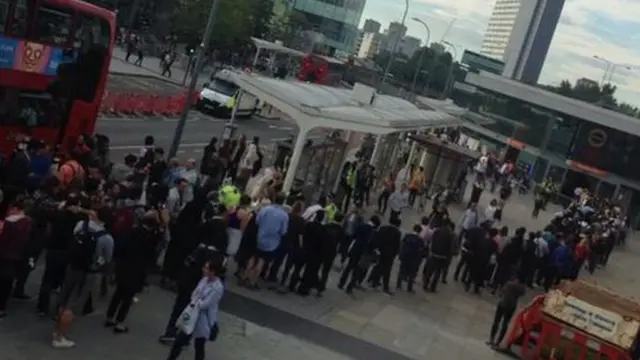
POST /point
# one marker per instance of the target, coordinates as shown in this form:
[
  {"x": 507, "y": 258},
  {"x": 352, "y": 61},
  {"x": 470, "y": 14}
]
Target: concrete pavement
[
  {"x": 26, "y": 337},
  {"x": 150, "y": 67}
]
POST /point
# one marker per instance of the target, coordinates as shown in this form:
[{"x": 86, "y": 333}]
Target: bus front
[{"x": 54, "y": 63}]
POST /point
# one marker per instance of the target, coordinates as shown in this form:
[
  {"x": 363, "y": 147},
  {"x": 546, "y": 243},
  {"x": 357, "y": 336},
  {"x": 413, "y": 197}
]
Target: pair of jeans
[
  {"x": 433, "y": 269},
  {"x": 121, "y": 302},
  {"x": 6, "y": 286},
  {"x": 501, "y": 320},
  {"x": 181, "y": 302},
  {"x": 181, "y": 341},
  {"x": 383, "y": 200},
  {"x": 53, "y": 277}
]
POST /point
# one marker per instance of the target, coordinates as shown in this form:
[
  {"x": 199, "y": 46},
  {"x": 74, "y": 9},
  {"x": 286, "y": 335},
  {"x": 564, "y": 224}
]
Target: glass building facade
[
  {"x": 569, "y": 150},
  {"x": 337, "y": 20}
]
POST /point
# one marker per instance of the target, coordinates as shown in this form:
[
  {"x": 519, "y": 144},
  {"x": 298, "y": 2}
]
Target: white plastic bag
[{"x": 187, "y": 320}]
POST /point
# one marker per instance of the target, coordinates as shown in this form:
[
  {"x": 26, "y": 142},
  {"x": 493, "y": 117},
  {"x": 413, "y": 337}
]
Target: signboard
[
  {"x": 482, "y": 62},
  {"x": 595, "y": 321},
  {"x": 30, "y": 56}
]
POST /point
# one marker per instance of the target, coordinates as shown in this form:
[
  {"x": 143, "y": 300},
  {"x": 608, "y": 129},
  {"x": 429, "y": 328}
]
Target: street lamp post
[
  {"x": 424, "y": 51},
  {"x": 607, "y": 67},
  {"x": 613, "y": 70},
  {"x": 206, "y": 39},
  {"x": 395, "y": 46},
  {"x": 449, "y": 82},
  {"x": 376, "y": 148},
  {"x": 609, "y": 70}
]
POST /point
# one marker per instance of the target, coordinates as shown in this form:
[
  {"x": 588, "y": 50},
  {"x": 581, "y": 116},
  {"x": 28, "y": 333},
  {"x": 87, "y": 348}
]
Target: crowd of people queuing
[{"x": 98, "y": 224}]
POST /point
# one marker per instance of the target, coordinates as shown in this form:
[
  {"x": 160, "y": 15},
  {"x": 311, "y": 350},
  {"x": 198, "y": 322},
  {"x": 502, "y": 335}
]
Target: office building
[
  {"x": 338, "y": 22},
  {"x": 409, "y": 45},
  {"x": 371, "y": 26},
  {"x": 498, "y": 32},
  {"x": 394, "y": 34},
  {"x": 368, "y": 45},
  {"x": 530, "y": 39}
]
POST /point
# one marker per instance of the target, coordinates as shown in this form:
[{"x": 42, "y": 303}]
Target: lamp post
[
  {"x": 424, "y": 51},
  {"x": 206, "y": 39},
  {"x": 449, "y": 81},
  {"x": 613, "y": 70},
  {"x": 395, "y": 46},
  {"x": 376, "y": 148},
  {"x": 609, "y": 70},
  {"x": 607, "y": 67}
]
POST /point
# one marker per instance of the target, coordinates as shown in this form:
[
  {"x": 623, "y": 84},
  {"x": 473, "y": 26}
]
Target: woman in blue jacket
[{"x": 207, "y": 297}]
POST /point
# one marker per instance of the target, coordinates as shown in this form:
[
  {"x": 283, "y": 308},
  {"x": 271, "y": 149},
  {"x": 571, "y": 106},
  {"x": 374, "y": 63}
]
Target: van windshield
[{"x": 223, "y": 87}]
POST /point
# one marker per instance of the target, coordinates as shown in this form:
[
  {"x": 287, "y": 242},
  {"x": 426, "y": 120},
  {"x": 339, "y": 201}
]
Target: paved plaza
[{"x": 449, "y": 325}]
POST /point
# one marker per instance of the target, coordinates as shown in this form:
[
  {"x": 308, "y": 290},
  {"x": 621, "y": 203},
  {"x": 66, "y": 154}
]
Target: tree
[
  {"x": 234, "y": 21},
  {"x": 591, "y": 92},
  {"x": 262, "y": 15},
  {"x": 434, "y": 69}
]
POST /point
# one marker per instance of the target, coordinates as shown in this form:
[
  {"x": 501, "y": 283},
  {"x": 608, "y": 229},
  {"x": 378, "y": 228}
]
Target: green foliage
[
  {"x": 262, "y": 15},
  {"x": 236, "y": 21},
  {"x": 591, "y": 92},
  {"x": 434, "y": 68}
]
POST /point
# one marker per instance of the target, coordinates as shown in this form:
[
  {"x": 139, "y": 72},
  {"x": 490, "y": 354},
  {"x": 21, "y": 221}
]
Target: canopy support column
[
  {"x": 256, "y": 57},
  {"x": 298, "y": 147},
  {"x": 412, "y": 152},
  {"x": 376, "y": 149}
]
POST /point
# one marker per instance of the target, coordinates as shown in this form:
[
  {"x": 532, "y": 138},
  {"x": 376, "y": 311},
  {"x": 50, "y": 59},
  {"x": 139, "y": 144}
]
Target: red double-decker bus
[
  {"x": 320, "y": 69},
  {"x": 54, "y": 63}
]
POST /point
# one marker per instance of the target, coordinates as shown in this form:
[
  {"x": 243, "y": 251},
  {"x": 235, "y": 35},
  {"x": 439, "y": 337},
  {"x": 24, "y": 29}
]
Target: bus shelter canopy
[
  {"x": 271, "y": 46},
  {"x": 311, "y": 106},
  {"x": 279, "y": 48}
]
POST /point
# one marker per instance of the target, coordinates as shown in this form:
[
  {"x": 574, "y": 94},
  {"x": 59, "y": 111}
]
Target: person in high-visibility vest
[
  {"x": 231, "y": 103},
  {"x": 229, "y": 196},
  {"x": 331, "y": 209}
]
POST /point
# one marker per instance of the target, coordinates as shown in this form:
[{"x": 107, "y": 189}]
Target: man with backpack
[
  {"x": 90, "y": 250},
  {"x": 63, "y": 221}
]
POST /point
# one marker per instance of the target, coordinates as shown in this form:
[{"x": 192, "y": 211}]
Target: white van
[{"x": 216, "y": 94}]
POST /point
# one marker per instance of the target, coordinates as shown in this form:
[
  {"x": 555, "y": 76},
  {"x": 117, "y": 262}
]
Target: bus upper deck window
[
  {"x": 20, "y": 18},
  {"x": 4, "y": 14},
  {"x": 53, "y": 25},
  {"x": 91, "y": 42}
]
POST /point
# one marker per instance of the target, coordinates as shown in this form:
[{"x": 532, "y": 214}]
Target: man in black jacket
[
  {"x": 335, "y": 237},
  {"x": 439, "y": 251},
  {"x": 56, "y": 261},
  {"x": 481, "y": 247},
  {"x": 387, "y": 242},
  {"x": 361, "y": 255}
]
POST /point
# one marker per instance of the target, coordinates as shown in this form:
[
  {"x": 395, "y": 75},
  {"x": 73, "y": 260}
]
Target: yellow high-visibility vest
[{"x": 231, "y": 103}]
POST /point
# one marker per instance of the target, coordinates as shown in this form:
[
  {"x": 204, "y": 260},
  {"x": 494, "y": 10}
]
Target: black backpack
[{"x": 83, "y": 248}]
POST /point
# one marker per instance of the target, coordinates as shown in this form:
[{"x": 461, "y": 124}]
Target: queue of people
[{"x": 99, "y": 225}]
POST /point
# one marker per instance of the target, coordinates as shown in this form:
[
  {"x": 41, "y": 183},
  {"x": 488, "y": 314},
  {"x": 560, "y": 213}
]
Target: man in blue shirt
[{"x": 273, "y": 223}]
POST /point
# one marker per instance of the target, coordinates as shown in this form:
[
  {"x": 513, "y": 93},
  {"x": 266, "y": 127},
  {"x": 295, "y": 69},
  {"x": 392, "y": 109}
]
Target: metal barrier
[{"x": 126, "y": 104}]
